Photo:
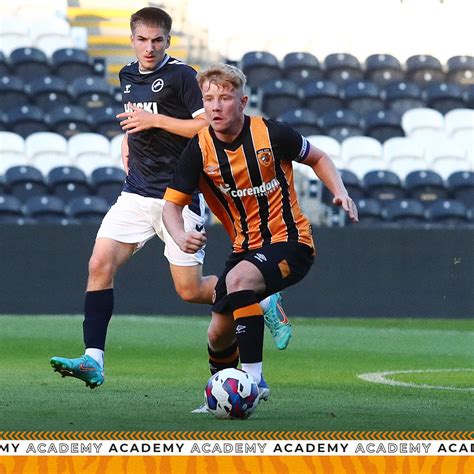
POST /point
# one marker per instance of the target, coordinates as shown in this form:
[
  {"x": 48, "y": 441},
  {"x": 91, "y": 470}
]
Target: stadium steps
[{"x": 108, "y": 33}]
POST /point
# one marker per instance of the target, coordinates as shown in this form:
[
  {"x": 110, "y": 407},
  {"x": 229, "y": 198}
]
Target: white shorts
[{"x": 135, "y": 219}]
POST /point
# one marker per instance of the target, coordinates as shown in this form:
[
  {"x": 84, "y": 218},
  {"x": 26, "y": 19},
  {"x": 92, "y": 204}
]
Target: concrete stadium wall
[{"x": 359, "y": 272}]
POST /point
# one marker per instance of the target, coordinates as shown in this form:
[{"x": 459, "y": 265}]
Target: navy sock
[
  {"x": 98, "y": 308},
  {"x": 224, "y": 359}
]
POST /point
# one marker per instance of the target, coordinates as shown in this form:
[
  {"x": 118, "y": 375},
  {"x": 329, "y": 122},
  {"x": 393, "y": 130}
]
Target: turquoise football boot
[
  {"x": 277, "y": 321},
  {"x": 84, "y": 368}
]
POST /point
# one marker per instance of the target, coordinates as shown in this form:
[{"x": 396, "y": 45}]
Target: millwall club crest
[
  {"x": 157, "y": 85},
  {"x": 265, "y": 156}
]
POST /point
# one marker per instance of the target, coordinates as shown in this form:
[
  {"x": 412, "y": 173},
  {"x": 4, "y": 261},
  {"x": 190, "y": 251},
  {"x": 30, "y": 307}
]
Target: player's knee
[
  {"x": 188, "y": 293},
  {"x": 101, "y": 267},
  {"x": 236, "y": 282}
]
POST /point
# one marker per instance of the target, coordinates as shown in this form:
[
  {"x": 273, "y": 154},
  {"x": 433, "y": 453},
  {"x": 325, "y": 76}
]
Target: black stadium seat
[
  {"x": 383, "y": 69},
  {"x": 370, "y": 212},
  {"x": 278, "y": 96},
  {"x": 88, "y": 209},
  {"x": 49, "y": 92},
  {"x": 105, "y": 121},
  {"x": 301, "y": 67},
  {"x": 45, "y": 208},
  {"x": 68, "y": 182},
  {"x": 71, "y": 63},
  {"x": 405, "y": 213},
  {"x": 352, "y": 184},
  {"x": 25, "y": 120},
  {"x": 68, "y": 120},
  {"x": 322, "y": 96},
  {"x": 92, "y": 92},
  {"x": 447, "y": 212},
  {"x": 461, "y": 187},
  {"x": 403, "y": 96},
  {"x": 4, "y": 69},
  {"x": 107, "y": 182},
  {"x": 341, "y": 124},
  {"x": 383, "y": 185},
  {"x": 12, "y": 93},
  {"x": 469, "y": 96},
  {"x": 444, "y": 97},
  {"x": 342, "y": 67},
  {"x": 383, "y": 124},
  {"x": 362, "y": 97},
  {"x": 426, "y": 186},
  {"x": 303, "y": 120},
  {"x": 461, "y": 70},
  {"x": 424, "y": 69},
  {"x": 25, "y": 182},
  {"x": 260, "y": 66},
  {"x": 29, "y": 63},
  {"x": 10, "y": 209}
]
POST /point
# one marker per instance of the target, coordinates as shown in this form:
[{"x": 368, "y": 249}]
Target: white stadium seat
[
  {"x": 423, "y": 123},
  {"x": 47, "y": 150},
  {"x": 330, "y": 145},
  {"x": 362, "y": 154},
  {"x": 116, "y": 148},
  {"x": 50, "y": 35},
  {"x": 12, "y": 151},
  {"x": 90, "y": 151},
  {"x": 445, "y": 156},
  {"x": 13, "y": 34},
  {"x": 459, "y": 125},
  {"x": 403, "y": 156}
]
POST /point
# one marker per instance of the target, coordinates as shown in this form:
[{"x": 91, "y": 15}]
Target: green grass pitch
[{"x": 156, "y": 369}]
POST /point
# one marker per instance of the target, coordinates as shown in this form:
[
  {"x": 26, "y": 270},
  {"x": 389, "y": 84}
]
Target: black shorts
[{"x": 282, "y": 264}]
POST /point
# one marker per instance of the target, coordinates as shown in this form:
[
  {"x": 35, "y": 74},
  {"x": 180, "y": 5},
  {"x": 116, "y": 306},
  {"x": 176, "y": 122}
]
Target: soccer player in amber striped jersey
[{"x": 243, "y": 166}]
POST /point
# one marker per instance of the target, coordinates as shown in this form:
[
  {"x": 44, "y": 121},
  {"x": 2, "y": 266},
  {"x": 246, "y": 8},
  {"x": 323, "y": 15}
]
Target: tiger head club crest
[{"x": 265, "y": 156}]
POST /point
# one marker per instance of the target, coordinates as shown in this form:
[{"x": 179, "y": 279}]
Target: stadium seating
[
  {"x": 341, "y": 124},
  {"x": 461, "y": 70},
  {"x": 352, "y": 184},
  {"x": 459, "y": 125},
  {"x": 10, "y": 209},
  {"x": 105, "y": 121},
  {"x": 90, "y": 151},
  {"x": 303, "y": 120},
  {"x": 44, "y": 208},
  {"x": 403, "y": 156},
  {"x": 87, "y": 209},
  {"x": 423, "y": 124},
  {"x": 426, "y": 186},
  {"x": 68, "y": 120},
  {"x": 72, "y": 63},
  {"x": 48, "y": 35},
  {"x": 68, "y": 182},
  {"x": 49, "y": 92},
  {"x": 445, "y": 156},
  {"x": 25, "y": 182},
  {"x": 362, "y": 154},
  {"x": 370, "y": 212},
  {"x": 12, "y": 93},
  {"x": 461, "y": 187},
  {"x": 260, "y": 66},
  {"x": 29, "y": 63},
  {"x": 278, "y": 96},
  {"x": 107, "y": 182},
  {"x": 362, "y": 97},
  {"x": 403, "y": 96},
  {"x": 447, "y": 212},
  {"x": 383, "y": 125},
  {"x": 14, "y": 33},
  {"x": 91, "y": 92},
  {"x": 330, "y": 145},
  {"x": 25, "y": 120},
  {"x": 405, "y": 213},
  {"x": 301, "y": 67},
  {"x": 341, "y": 67},
  {"x": 4, "y": 69},
  {"x": 12, "y": 150},
  {"x": 383, "y": 185},
  {"x": 444, "y": 97},
  {"x": 322, "y": 96},
  {"x": 424, "y": 69},
  {"x": 383, "y": 69},
  {"x": 116, "y": 148},
  {"x": 46, "y": 150}
]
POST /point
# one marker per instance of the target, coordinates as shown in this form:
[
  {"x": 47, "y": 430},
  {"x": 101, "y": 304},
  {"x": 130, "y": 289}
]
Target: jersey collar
[{"x": 158, "y": 66}]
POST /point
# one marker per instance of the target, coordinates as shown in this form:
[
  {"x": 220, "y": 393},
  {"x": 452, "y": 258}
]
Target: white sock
[
  {"x": 97, "y": 355},
  {"x": 254, "y": 369},
  {"x": 264, "y": 304}
]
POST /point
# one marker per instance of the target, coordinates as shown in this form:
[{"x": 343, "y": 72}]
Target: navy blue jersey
[{"x": 170, "y": 89}]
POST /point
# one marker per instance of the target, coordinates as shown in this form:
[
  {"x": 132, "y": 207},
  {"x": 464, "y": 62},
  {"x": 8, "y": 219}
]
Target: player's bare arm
[
  {"x": 137, "y": 120},
  {"x": 327, "y": 172},
  {"x": 189, "y": 242},
  {"x": 124, "y": 150}
]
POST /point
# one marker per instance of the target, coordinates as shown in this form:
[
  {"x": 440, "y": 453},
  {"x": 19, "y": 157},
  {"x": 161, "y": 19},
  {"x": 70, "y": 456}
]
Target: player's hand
[
  {"x": 136, "y": 119},
  {"x": 348, "y": 205},
  {"x": 191, "y": 242}
]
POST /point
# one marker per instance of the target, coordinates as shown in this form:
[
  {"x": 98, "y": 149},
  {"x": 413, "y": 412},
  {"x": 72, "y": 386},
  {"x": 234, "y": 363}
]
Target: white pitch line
[{"x": 380, "y": 377}]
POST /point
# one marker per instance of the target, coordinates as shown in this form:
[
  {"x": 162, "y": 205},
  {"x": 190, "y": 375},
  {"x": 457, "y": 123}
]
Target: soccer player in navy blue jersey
[{"x": 163, "y": 109}]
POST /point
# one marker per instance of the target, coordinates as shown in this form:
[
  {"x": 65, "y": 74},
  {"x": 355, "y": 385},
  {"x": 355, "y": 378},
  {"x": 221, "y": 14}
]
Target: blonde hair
[{"x": 223, "y": 75}]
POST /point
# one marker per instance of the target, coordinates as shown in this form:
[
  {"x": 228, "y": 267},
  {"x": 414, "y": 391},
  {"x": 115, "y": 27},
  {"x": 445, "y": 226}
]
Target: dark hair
[{"x": 151, "y": 16}]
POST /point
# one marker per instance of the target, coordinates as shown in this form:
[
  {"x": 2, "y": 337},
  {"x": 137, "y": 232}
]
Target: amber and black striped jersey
[{"x": 248, "y": 184}]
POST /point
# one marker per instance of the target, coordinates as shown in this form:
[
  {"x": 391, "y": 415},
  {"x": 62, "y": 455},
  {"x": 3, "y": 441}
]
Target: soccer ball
[{"x": 231, "y": 393}]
